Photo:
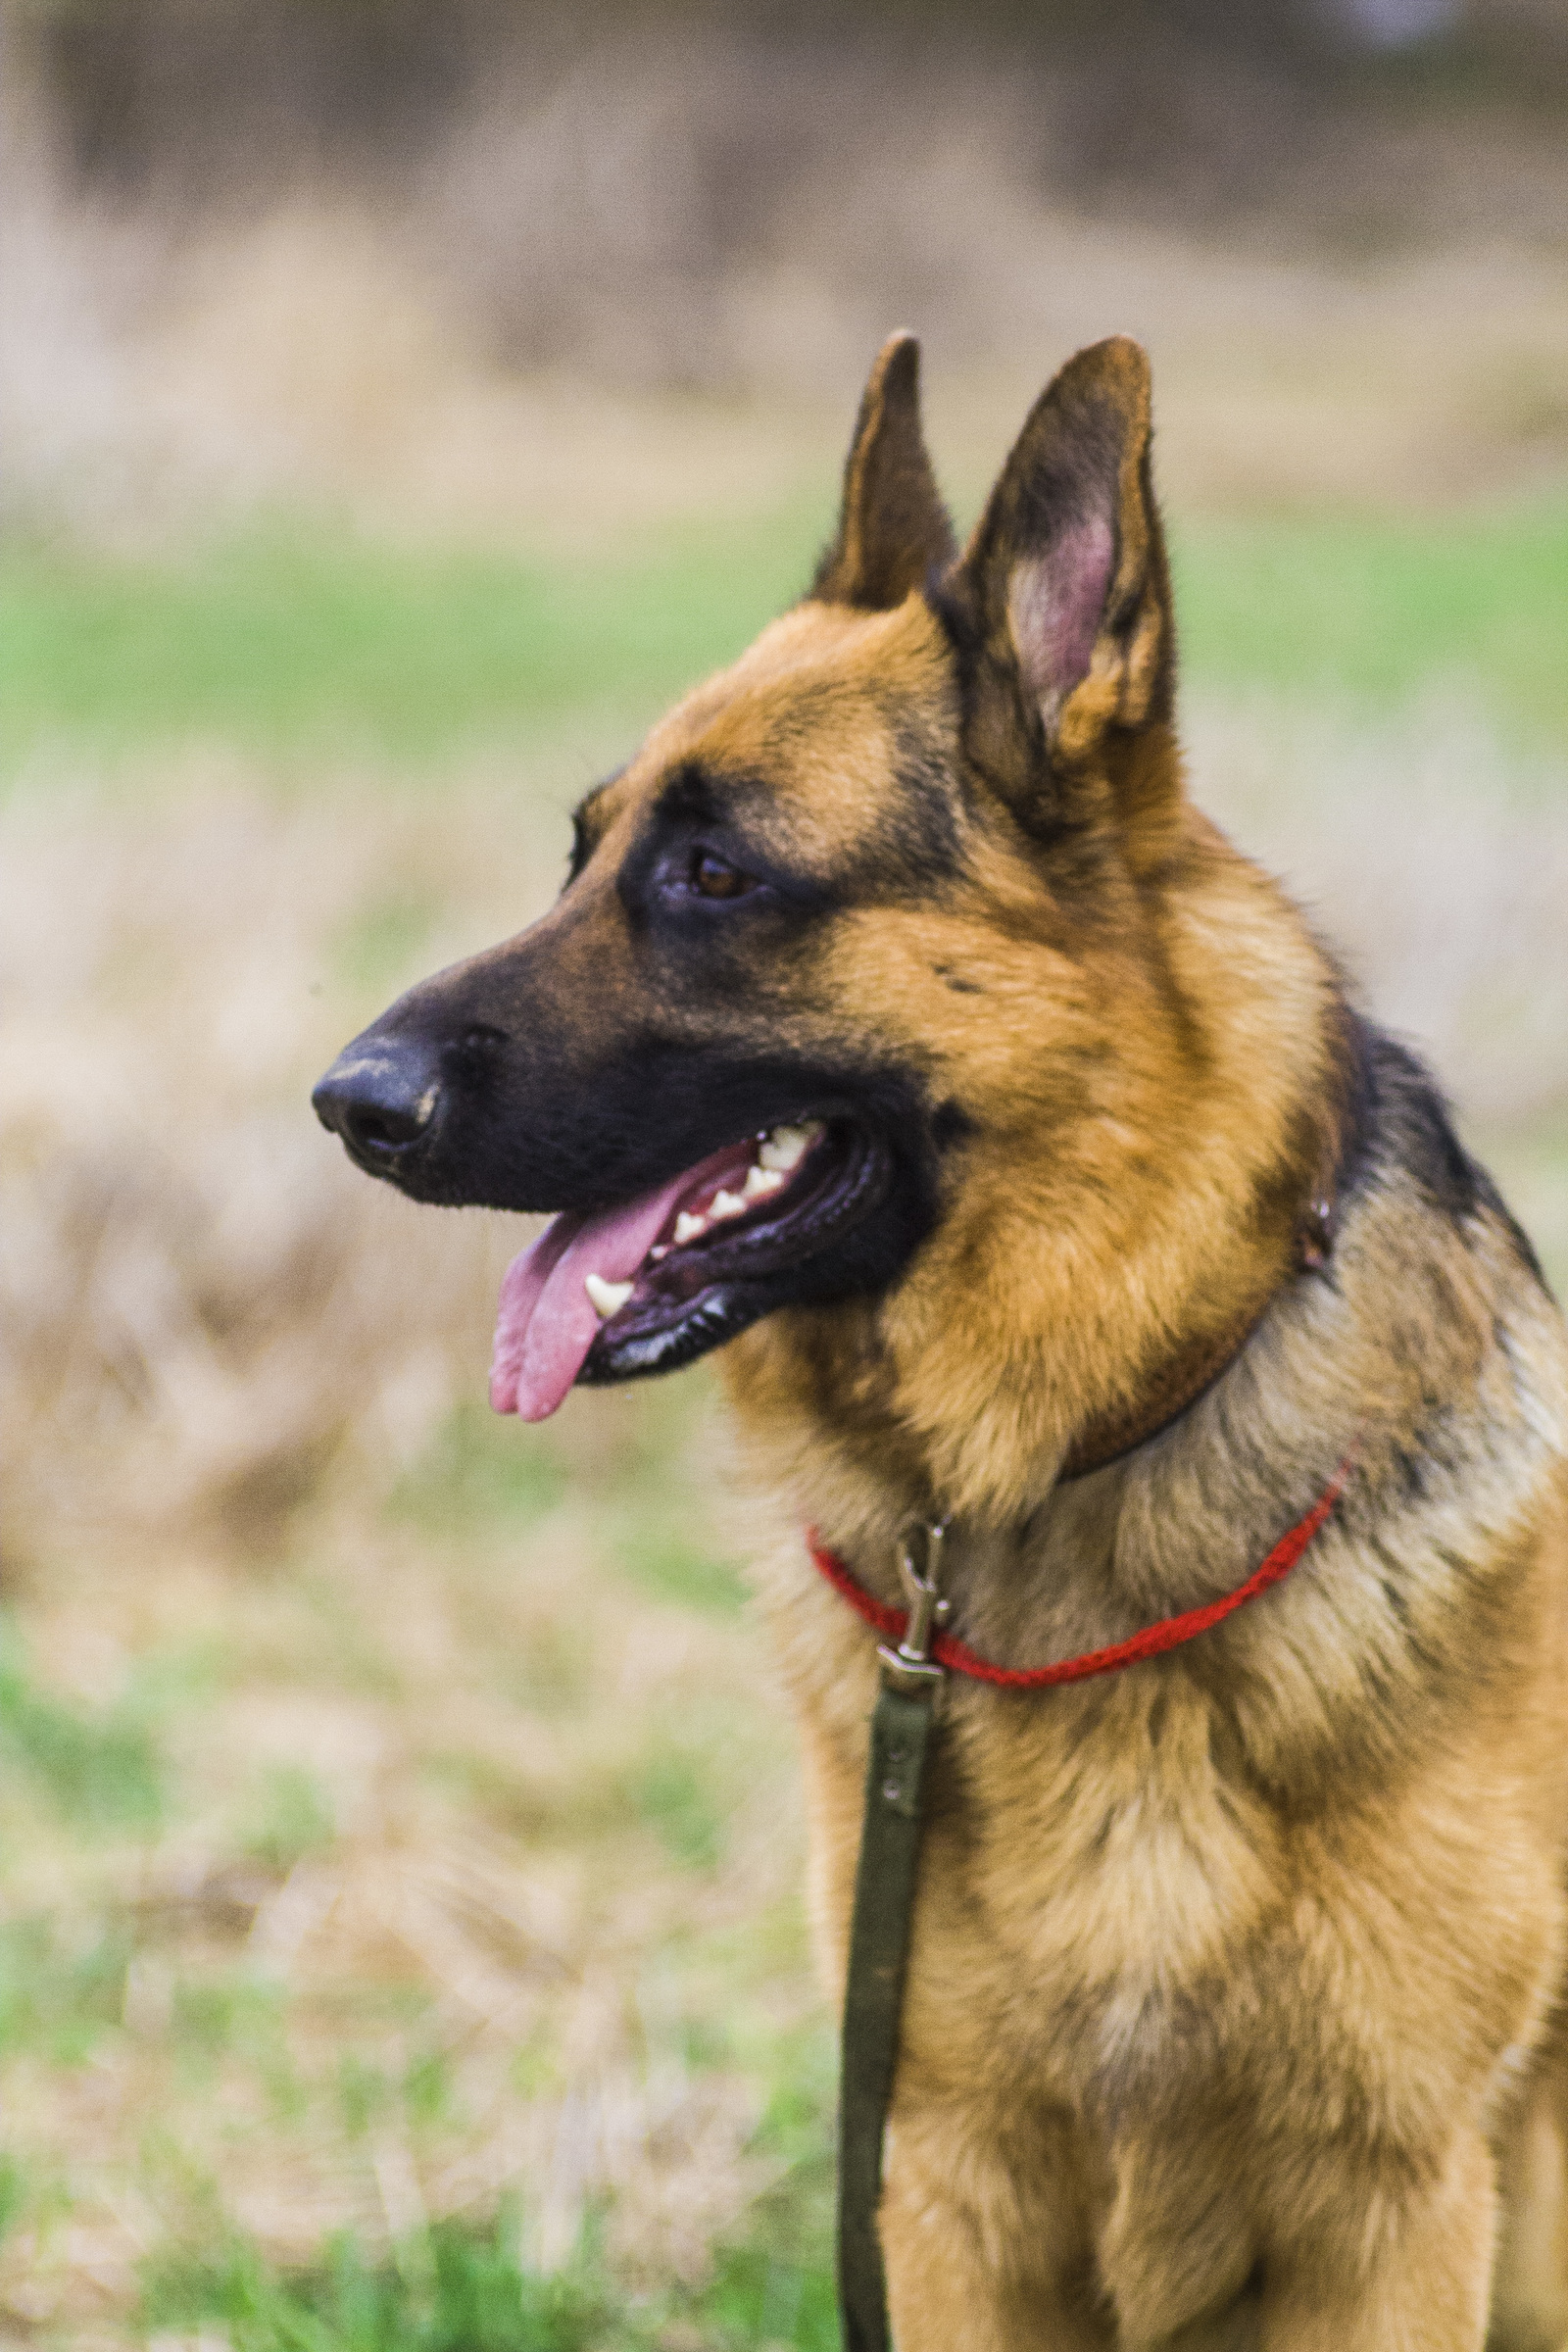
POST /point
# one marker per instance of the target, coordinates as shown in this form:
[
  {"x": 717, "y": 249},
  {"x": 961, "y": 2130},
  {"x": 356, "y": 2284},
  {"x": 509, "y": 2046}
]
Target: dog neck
[{"x": 1189, "y": 1372}]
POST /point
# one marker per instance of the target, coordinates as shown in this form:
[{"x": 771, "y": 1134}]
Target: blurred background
[{"x": 401, "y": 1943}]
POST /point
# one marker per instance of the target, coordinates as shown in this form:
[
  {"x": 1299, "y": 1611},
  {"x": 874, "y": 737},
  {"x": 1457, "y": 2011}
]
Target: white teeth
[
  {"x": 659, "y": 1250},
  {"x": 787, "y": 1147},
  {"x": 778, "y": 1151},
  {"x": 608, "y": 1297}
]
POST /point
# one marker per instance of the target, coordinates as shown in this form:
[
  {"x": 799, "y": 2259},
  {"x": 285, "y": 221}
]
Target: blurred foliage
[
  {"x": 479, "y": 1467},
  {"x": 240, "y": 89},
  {"x": 457, "y": 2289},
  {"x": 675, "y": 1795},
  {"x": 304, "y": 644},
  {"x": 291, "y": 1817},
  {"x": 461, "y": 2286},
  {"x": 1381, "y": 609},
  {"x": 62, "y": 1986},
  {"x": 468, "y": 2287},
  {"x": 668, "y": 1566},
  {"x": 300, "y": 641},
  {"x": 98, "y": 1766},
  {"x": 214, "y": 2016}
]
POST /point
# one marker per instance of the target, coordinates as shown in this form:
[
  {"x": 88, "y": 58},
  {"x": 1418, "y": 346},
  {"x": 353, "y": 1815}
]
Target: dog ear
[
  {"x": 1061, "y": 606},
  {"x": 892, "y": 527}
]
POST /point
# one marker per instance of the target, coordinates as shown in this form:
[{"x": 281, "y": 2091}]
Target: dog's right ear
[
  {"x": 1060, "y": 608},
  {"x": 892, "y": 527}
]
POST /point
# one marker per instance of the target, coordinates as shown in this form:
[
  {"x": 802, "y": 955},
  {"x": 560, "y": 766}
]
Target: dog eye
[{"x": 713, "y": 878}]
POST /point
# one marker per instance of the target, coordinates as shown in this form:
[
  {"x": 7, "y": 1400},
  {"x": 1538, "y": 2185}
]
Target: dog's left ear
[
  {"x": 1061, "y": 606},
  {"x": 892, "y": 527}
]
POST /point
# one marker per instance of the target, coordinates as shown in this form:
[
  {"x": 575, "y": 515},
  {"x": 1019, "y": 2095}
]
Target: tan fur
[{"x": 1232, "y": 2011}]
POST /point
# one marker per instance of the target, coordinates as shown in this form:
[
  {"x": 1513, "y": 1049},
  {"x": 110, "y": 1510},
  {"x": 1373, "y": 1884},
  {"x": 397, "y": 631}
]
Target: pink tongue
[{"x": 546, "y": 1322}]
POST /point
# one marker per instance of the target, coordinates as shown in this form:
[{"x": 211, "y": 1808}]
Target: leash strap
[{"x": 873, "y": 2000}]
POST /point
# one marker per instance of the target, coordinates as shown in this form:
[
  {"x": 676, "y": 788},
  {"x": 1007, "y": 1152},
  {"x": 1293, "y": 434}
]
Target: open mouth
[{"x": 660, "y": 1280}]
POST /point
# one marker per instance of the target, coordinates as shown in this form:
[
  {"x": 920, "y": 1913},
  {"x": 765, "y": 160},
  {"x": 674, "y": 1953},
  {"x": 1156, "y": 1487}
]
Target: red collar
[{"x": 1169, "y": 1633}]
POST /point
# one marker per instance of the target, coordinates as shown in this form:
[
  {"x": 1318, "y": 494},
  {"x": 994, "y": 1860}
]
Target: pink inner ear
[{"x": 1055, "y": 604}]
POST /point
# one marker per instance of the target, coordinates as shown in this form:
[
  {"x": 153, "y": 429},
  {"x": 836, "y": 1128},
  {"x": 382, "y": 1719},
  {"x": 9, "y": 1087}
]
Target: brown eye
[{"x": 712, "y": 878}]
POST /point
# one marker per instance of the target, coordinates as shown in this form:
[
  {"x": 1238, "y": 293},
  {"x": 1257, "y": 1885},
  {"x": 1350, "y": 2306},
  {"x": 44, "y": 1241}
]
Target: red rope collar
[{"x": 1169, "y": 1633}]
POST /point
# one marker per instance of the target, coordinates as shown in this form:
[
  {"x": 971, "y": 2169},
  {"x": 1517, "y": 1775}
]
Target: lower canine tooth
[
  {"x": 608, "y": 1297},
  {"x": 687, "y": 1228}
]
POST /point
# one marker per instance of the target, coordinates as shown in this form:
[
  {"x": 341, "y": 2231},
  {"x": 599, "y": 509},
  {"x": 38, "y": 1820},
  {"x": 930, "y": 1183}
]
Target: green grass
[
  {"x": 1381, "y": 610},
  {"x": 468, "y": 2287},
  {"x": 98, "y": 1767},
  {"x": 292, "y": 642},
  {"x": 61, "y": 1988},
  {"x": 459, "y": 2289},
  {"x": 463, "y": 2286},
  {"x": 479, "y": 1469}
]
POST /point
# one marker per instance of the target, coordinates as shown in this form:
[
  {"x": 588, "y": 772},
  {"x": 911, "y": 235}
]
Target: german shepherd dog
[{"x": 904, "y": 1030}]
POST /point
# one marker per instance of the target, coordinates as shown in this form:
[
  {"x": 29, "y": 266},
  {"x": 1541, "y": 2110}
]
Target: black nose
[{"x": 381, "y": 1096}]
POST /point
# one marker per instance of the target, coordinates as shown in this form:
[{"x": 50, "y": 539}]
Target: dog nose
[{"x": 381, "y": 1096}]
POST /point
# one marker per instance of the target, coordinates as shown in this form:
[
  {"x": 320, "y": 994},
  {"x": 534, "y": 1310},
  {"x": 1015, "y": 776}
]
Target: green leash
[{"x": 879, "y": 1943}]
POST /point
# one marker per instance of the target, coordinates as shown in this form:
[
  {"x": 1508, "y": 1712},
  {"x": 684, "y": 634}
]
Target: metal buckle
[{"x": 911, "y": 1668}]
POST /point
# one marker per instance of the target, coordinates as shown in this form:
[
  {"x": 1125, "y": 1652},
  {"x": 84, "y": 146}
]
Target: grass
[
  {"x": 461, "y": 2286},
  {"x": 295, "y": 643},
  {"x": 99, "y": 1767},
  {"x": 61, "y": 1988},
  {"x": 454, "y": 2290},
  {"x": 1381, "y": 610},
  {"x": 477, "y": 1468},
  {"x": 306, "y": 1972},
  {"x": 292, "y": 642},
  {"x": 468, "y": 2286}
]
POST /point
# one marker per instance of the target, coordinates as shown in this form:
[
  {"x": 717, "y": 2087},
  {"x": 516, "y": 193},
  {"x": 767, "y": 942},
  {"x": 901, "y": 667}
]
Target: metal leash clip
[{"x": 911, "y": 1668}]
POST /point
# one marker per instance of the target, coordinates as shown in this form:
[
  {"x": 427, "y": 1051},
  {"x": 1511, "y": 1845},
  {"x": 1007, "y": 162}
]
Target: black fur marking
[
  {"x": 909, "y": 847},
  {"x": 655, "y": 886},
  {"x": 891, "y": 512},
  {"x": 1415, "y": 1120},
  {"x": 951, "y": 1124},
  {"x": 586, "y": 827},
  {"x": 915, "y": 842},
  {"x": 1411, "y": 1130},
  {"x": 545, "y": 1107}
]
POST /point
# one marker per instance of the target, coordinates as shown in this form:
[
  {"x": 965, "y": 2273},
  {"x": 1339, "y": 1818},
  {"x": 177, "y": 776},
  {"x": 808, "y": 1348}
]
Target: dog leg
[
  {"x": 941, "y": 2297},
  {"x": 985, "y": 2253},
  {"x": 1422, "y": 2284}
]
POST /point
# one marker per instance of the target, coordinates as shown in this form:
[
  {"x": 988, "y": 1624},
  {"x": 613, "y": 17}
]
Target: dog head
[{"x": 861, "y": 985}]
